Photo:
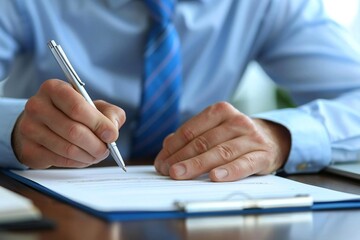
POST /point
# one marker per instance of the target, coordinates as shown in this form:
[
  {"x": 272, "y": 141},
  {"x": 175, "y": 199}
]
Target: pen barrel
[
  {"x": 82, "y": 91},
  {"x": 69, "y": 71},
  {"x": 78, "y": 85}
]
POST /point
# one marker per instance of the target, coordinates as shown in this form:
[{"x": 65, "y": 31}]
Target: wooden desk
[{"x": 75, "y": 224}]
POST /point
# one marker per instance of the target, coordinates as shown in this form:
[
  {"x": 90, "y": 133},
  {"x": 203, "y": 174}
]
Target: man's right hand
[{"x": 59, "y": 128}]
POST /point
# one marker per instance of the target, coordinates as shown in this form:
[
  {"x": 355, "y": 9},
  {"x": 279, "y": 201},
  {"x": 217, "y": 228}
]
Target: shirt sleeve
[
  {"x": 11, "y": 36},
  {"x": 13, "y": 108},
  {"x": 318, "y": 63}
]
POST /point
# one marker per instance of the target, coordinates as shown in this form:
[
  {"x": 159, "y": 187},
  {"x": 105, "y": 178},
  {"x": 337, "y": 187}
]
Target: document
[{"x": 141, "y": 189}]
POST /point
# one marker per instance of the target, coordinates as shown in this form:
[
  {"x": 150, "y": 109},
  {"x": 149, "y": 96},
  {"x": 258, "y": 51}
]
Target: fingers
[
  {"x": 73, "y": 105},
  {"x": 227, "y": 156},
  {"x": 38, "y": 157},
  {"x": 215, "y": 125},
  {"x": 208, "y": 119},
  {"x": 228, "y": 130},
  {"x": 65, "y": 129},
  {"x": 43, "y": 136},
  {"x": 225, "y": 143},
  {"x": 240, "y": 168}
]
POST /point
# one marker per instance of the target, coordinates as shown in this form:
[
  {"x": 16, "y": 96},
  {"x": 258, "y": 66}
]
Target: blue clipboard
[{"x": 183, "y": 213}]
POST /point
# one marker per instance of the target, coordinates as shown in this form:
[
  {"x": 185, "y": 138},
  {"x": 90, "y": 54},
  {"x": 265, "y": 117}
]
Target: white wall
[{"x": 255, "y": 83}]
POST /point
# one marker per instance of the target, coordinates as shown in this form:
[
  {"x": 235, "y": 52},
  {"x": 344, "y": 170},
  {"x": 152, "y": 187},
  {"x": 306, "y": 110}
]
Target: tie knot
[{"x": 161, "y": 10}]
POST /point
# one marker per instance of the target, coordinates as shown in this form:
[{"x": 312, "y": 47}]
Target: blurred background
[{"x": 256, "y": 83}]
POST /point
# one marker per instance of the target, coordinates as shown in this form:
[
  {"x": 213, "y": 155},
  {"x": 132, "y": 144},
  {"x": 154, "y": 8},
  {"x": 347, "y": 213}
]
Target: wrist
[{"x": 281, "y": 138}]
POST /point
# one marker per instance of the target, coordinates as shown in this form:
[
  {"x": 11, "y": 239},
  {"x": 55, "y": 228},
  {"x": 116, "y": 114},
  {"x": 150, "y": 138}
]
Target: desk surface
[{"x": 72, "y": 223}]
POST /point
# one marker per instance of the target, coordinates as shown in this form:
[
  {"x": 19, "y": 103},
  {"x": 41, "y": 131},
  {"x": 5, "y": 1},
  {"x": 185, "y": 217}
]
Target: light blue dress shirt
[{"x": 295, "y": 43}]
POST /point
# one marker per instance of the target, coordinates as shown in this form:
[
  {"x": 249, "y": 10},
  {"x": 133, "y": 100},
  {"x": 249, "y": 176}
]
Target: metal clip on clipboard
[{"x": 242, "y": 204}]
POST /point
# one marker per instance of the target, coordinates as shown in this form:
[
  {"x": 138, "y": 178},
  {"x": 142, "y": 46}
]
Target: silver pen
[{"x": 78, "y": 85}]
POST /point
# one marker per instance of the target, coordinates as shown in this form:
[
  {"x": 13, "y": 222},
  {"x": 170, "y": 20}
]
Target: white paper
[
  {"x": 14, "y": 207},
  {"x": 141, "y": 188}
]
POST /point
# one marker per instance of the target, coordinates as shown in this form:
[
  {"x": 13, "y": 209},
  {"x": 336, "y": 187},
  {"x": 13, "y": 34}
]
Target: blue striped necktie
[{"x": 159, "y": 107}]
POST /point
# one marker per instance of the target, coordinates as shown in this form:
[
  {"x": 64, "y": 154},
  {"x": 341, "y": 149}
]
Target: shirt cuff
[
  {"x": 310, "y": 145},
  {"x": 11, "y": 109}
]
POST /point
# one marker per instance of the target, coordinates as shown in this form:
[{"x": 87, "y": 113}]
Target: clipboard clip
[{"x": 242, "y": 204}]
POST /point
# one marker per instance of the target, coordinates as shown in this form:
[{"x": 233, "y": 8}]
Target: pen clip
[
  {"x": 236, "y": 205},
  {"x": 64, "y": 61}
]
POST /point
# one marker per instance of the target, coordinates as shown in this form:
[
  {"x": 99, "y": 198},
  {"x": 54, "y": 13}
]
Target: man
[{"x": 296, "y": 44}]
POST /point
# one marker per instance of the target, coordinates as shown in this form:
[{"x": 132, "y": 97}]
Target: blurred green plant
[{"x": 283, "y": 99}]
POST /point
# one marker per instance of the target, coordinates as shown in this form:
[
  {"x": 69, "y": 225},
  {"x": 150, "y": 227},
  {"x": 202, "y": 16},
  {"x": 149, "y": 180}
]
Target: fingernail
[
  {"x": 106, "y": 136},
  {"x": 179, "y": 170},
  {"x": 221, "y": 173}
]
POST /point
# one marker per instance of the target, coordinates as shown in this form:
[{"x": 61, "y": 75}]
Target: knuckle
[
  {"x": 52, "y": 86},
  {"x": 76, "y": 110},
  {"x": 201, "y": 144},
  {"x": 71, "y": 151},
  {"x": 225, "y": 153},
  {"x": 187, "y": 133},
  {"x": 33, "y": 106},
  {"x": 175, "y": 159},
  {"x": 74, "y": 132},
  {"x": 259, "y": 139},
  {"x": 219, "y": 108},
  {"x": 243, "y": 121},
  {"x": 236, "y": 170},
  {"x": 250, "y": 163},
  {"x": 99, "y": 127},
  {"x": 48, "y": 85},
  {"x": 197, "y": 164}
]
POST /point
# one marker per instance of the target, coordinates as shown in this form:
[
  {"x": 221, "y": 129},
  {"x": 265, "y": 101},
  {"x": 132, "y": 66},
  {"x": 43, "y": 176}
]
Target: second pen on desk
[{"x": 78, "y": 85}]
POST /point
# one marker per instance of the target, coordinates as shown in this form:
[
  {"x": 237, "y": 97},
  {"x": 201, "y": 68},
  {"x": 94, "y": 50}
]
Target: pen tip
[{"x": 124, "y": 169}]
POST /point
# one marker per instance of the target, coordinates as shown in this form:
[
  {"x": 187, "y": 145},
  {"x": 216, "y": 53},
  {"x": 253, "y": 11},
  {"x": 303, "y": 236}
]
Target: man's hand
[
  {"x": 226, "y": 144},
  {"x": 59, "y": 128}
]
